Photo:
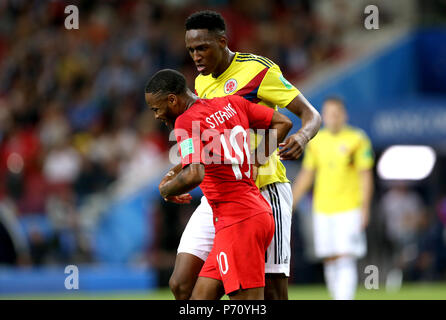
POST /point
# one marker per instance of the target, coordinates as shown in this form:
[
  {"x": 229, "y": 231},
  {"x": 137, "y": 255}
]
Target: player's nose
[{"x": 196, "y": 57}]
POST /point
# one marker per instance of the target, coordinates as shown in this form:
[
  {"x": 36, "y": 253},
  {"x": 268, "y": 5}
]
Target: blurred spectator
[
  {"x": 403, "y": 211},
  {"x": 62, "y": 164},
  {"x": 14, "y": 249}
]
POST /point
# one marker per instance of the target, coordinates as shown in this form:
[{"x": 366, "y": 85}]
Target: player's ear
[
  {"x": 172, "y": 99},
  {"x": 222, "y": 41}
]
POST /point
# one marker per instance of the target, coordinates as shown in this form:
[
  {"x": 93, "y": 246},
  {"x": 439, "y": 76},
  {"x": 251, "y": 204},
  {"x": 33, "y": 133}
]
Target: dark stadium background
[{"x": 81, "y": 156}]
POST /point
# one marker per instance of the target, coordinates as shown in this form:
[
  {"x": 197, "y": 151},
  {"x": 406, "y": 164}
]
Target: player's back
[{"x": 223, "y": 128}]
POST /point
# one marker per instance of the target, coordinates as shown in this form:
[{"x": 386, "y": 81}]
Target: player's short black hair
[
  {"x": 166, "y": 81},
  {"x": 210, "y": 20}
]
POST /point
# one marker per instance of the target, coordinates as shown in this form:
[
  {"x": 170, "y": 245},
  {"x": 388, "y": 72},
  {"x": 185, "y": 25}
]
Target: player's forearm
[
  {"x": 177, "y": 169},
  {"x": 186, "y": 180},
  {"x": 280, "y": 126},
  {"x": 367, "y": 189},
  {"x": 303, "y": 183},
  {"x": 294, "y": 145},
  {"x": 310, "y": 117}
]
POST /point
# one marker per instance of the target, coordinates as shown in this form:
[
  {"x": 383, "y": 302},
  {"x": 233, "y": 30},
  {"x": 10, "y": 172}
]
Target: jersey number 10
[{"x": 237, "y": 164}]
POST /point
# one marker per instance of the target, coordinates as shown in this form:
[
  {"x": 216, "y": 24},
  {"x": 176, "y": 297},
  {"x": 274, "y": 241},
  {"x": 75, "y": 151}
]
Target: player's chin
[
  {"x": 204, "y": 70},
  {"x": 168, "y": 123}
]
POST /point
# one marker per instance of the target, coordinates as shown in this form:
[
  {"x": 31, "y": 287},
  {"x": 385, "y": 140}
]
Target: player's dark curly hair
[
  {"x": 166, "y": 81},
  {"x": 210, "y": 20}
]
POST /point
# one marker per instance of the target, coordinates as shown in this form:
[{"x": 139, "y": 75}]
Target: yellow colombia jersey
[
  {"x": 338, "y": 159},
  {"x": 258, "y": 80}
]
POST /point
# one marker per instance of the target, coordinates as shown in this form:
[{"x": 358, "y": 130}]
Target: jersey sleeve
[
  {"x": 364, "y": 158},
  {"x": 275, "y": 89},
  {"x": 187, "y": 133},
  {"x": 259, "y": 117}
]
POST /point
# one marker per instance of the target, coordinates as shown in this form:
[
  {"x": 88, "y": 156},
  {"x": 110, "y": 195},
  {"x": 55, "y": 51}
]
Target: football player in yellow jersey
[
  {"x": 258, "y": 79},
  {"x": 339, "y": 160}
]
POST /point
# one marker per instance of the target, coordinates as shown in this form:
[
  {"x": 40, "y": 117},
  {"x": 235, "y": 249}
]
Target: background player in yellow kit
[
  {"x": 259, "y": 80},
  {"x": 340, "y": 160}
]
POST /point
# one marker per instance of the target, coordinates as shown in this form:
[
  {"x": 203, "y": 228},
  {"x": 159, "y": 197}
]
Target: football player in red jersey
[
  {"x": 259, "y": 80},
  {"x": 242, "y": 217}
]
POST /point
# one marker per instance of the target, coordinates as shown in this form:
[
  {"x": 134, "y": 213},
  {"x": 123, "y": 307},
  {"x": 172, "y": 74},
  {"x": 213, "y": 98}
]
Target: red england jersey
[{"x": 215, "y": 132}]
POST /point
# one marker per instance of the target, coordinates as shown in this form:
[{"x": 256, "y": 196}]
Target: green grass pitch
[{"x": 418, "y": 291}]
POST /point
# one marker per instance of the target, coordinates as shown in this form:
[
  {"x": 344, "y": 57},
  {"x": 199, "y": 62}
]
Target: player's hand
[
  {"x": 181, "y": 199},
  {"x": 293, "y": 147},
  {"x": 169, "y": 176}
]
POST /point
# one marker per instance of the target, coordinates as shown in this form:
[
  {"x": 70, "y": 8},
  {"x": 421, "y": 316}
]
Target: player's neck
[
  {"x": 189, "y": 100},
  {"x": 226, "y": 62},
  {"x": 335, "y": 131}
]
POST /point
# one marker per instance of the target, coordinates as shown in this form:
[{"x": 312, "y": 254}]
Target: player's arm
[
  {"x": 366, "y": 179},
  {"x": 306, "y": 176},
  {"x": 180, "y": 199},
  {"x": 294, "y": 145},
  {"x": 364, "y": 160},
  {"x": 189, "y": 178},
  {"x": 278, "y": 91},
  {"x": 192, "y": 172},
  {"x": 262, "y": 117},
  {"x": 302, "y": 184}
]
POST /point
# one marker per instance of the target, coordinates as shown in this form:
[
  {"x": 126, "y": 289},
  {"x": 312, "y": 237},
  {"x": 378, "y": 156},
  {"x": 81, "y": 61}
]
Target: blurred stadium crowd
[{"x": 72, "y": 113}]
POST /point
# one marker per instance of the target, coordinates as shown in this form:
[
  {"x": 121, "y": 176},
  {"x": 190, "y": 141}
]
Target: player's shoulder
[
  {"x": 254, "y": 60},
  {"x": 182, "y": 120},
  {"x": 191, "y": 114},
  {"x": 356, "y": 132},
  {"x": 215, "y": 101},
  {"x": 230, "y": 100},
  {"x": 318, "y": 139},
  {"x": 233, "y": 98},
  {"x": 321, "y": 134}
]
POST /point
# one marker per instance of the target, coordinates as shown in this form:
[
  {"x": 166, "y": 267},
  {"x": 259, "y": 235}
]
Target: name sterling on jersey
[{"x": 219, "y": 117}]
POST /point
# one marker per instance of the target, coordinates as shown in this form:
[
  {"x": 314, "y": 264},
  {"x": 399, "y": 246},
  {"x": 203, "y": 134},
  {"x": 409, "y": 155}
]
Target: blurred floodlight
[{"x": 406, "y": 162}]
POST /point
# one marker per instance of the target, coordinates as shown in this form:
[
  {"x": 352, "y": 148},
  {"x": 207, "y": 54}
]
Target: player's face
[
  {"x": 162, "y": 107},
  {"x": 206, "y": 49},
  {"x": 333, "y": 116}
]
